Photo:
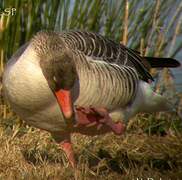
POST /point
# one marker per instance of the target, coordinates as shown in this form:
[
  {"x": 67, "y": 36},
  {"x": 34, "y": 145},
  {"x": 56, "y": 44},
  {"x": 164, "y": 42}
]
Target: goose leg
[
  {"x": 66, "y": 146},
  {"x": 64, "y": 140},
  {"x": 117, "y": 128},
  {"x": 98, "y": 116}
]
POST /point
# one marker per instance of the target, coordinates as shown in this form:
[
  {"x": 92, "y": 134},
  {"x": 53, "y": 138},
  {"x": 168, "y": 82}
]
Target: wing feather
[{"x": 101, "y": 48}]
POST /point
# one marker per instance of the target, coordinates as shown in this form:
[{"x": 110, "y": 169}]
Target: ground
[{"x": 150, "y": 148}]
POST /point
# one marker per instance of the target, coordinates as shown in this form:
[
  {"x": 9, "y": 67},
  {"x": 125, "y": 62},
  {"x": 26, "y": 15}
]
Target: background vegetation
[{"x": 152, "y": 145}]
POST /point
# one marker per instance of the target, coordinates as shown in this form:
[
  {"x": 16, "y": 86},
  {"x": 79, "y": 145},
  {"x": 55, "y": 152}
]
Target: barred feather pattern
[
  {"x": 104, "y": 49},
  {"x": 105, "y": 84}
]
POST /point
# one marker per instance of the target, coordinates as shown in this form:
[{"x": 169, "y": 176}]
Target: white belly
[{"x": 30, "y": 97}]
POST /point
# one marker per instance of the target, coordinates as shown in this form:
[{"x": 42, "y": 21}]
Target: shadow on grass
[
  {"x": 112, "y": 163},
  {"x": 37, "y": 157},
  {"x": 121, "y": 162}
]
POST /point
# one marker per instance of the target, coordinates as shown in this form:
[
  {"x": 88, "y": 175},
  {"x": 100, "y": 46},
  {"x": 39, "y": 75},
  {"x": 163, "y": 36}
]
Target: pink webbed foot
[{"x": 99, "y": 117}]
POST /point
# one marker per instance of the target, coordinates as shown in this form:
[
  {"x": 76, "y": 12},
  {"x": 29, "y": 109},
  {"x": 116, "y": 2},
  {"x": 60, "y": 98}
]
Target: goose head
[{"x": 58, "y": 67}]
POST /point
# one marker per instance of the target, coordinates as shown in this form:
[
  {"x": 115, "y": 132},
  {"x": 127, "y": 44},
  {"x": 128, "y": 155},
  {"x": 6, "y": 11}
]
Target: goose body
[
  {"x": 107, "y": 75},
  {"x": 30, "y": 96},
  {"x": 32, "y": 99}
]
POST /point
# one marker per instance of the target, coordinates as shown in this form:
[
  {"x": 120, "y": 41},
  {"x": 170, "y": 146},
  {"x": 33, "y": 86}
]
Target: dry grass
[{"x": 151, "y": 147}]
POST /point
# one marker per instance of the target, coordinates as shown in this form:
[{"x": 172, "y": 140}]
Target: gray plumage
[
  {"x": 108, "y": 75},
  {"x": 112, "y": 85}
]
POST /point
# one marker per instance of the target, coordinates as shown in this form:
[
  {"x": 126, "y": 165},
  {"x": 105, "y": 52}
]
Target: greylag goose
[{"x": 82, "y": 82}]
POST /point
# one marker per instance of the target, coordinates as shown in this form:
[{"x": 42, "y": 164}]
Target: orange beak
[{"x": 65, "y": 102}]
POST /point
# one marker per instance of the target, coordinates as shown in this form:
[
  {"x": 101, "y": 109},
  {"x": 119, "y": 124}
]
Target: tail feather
[{"x": 156, "y": 62}]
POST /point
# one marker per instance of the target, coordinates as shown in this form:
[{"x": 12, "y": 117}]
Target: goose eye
[{"x": 54, "y": 78}]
